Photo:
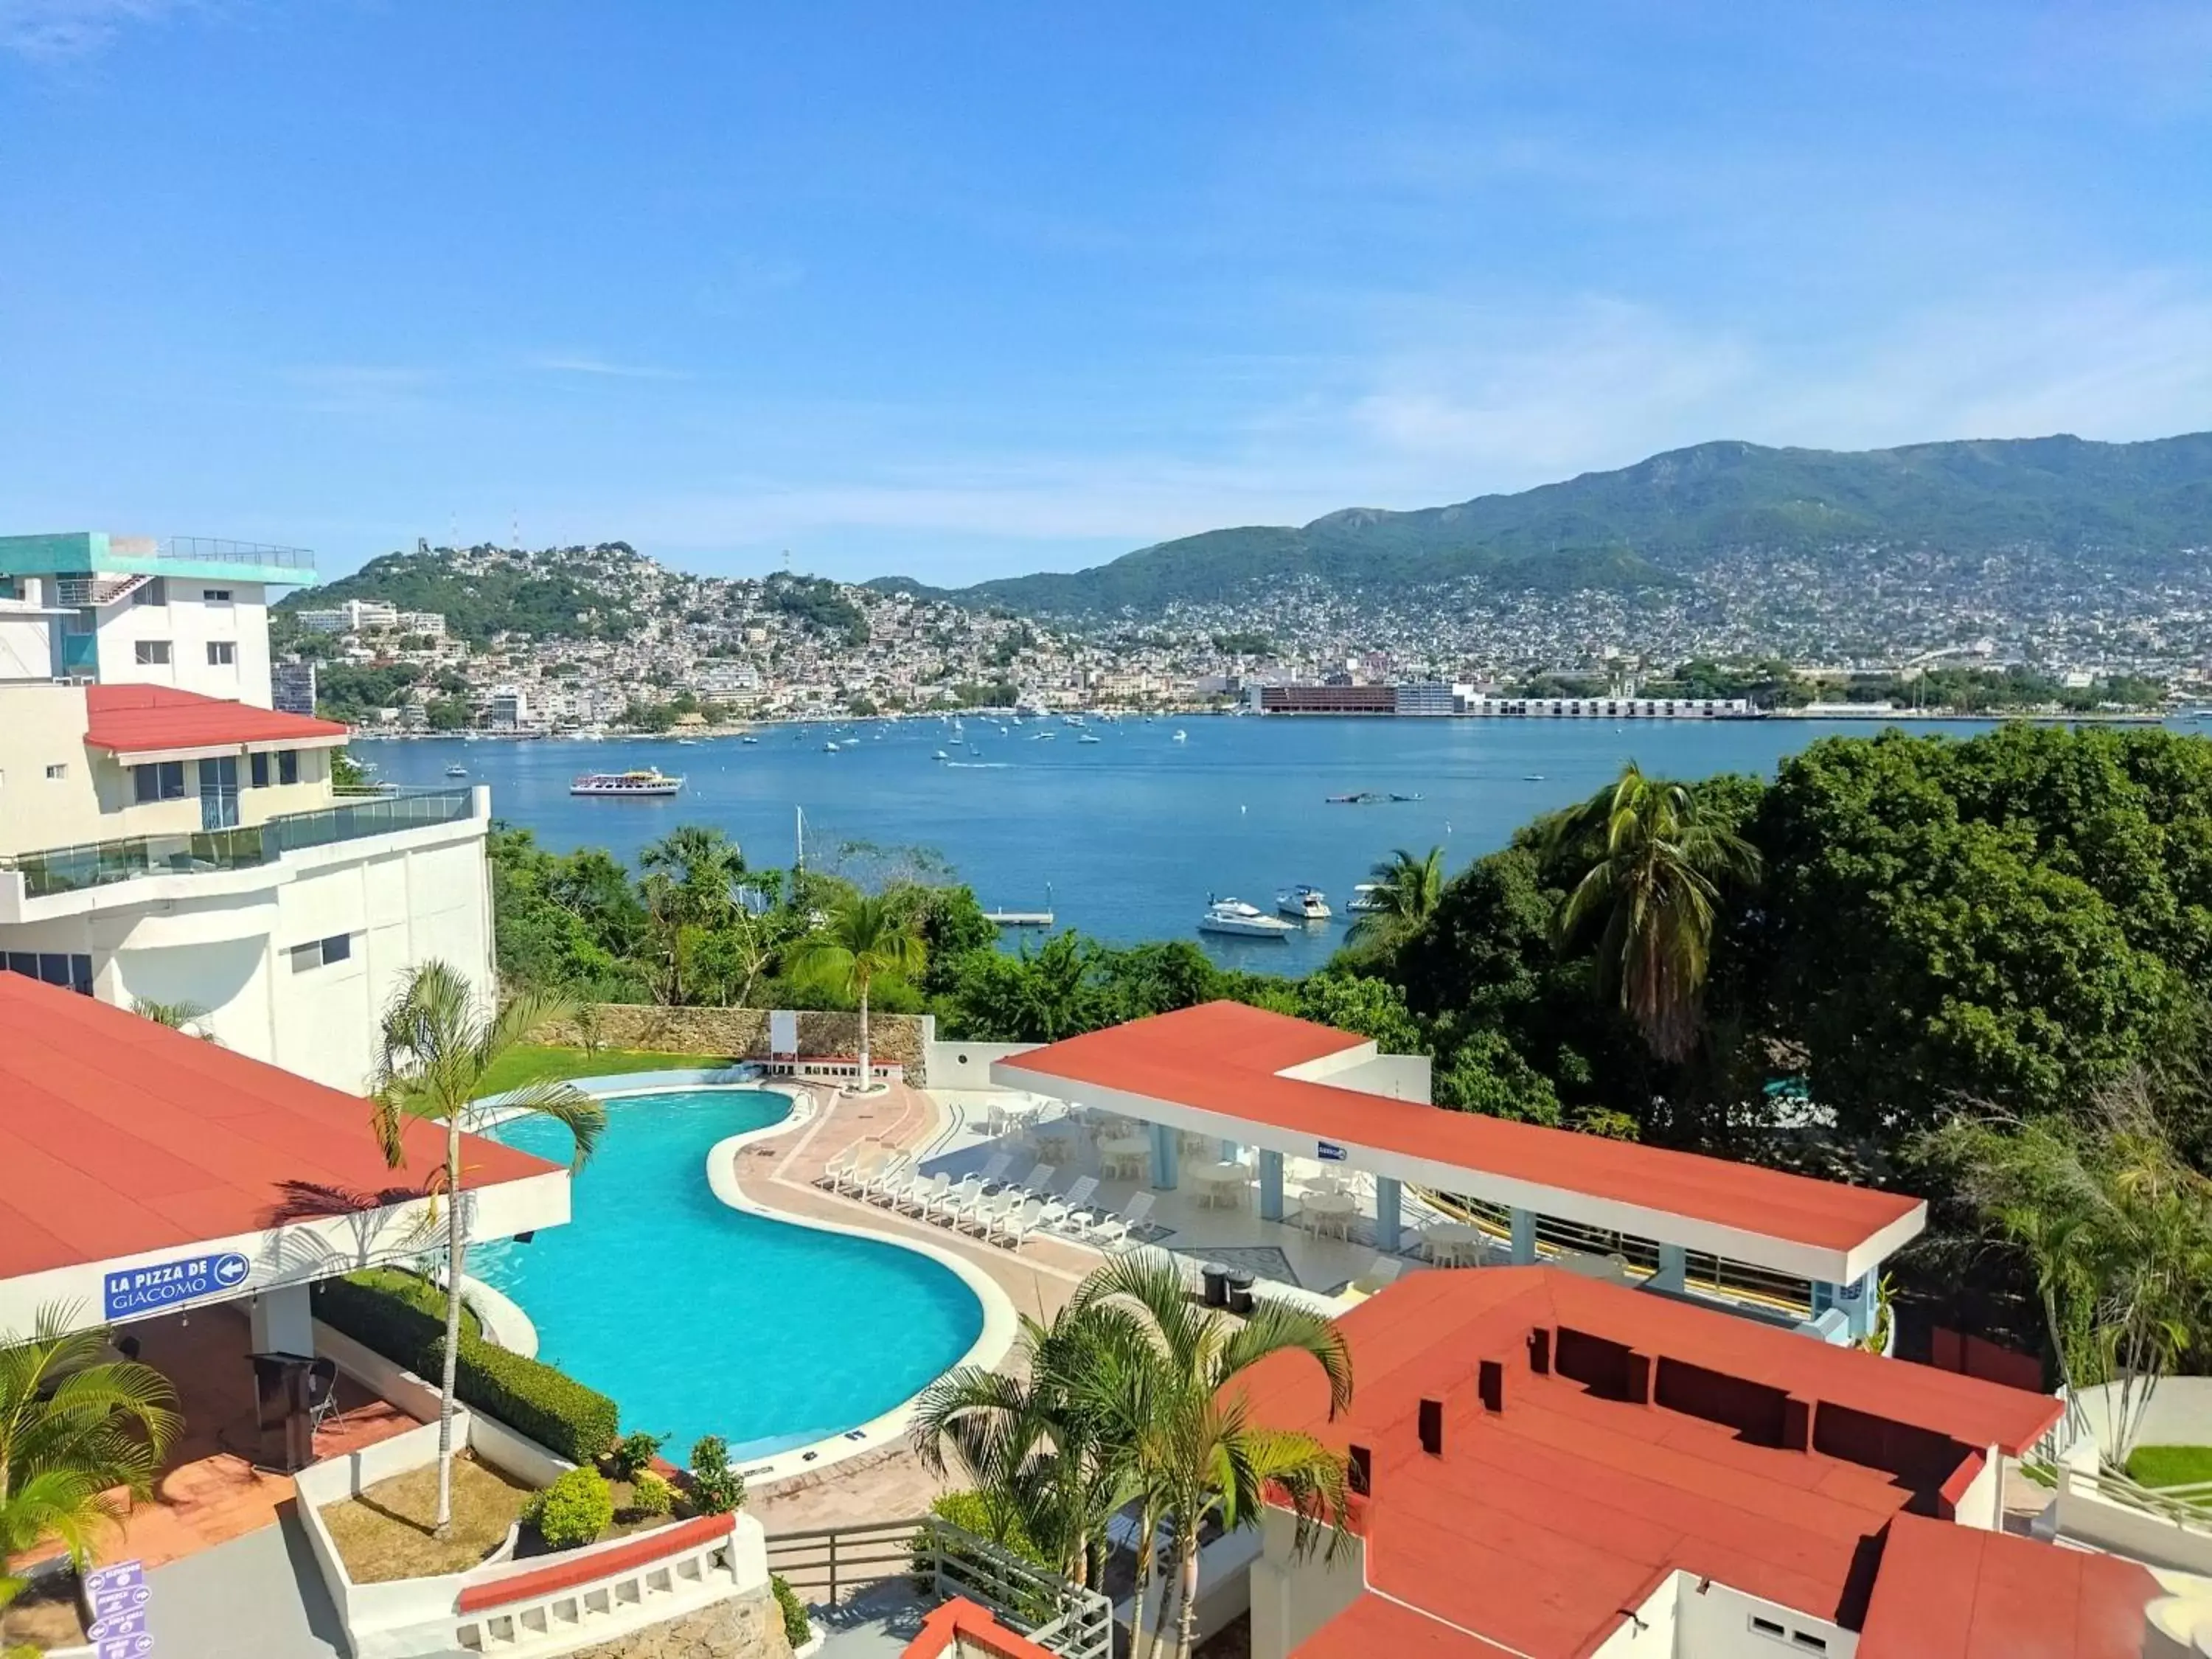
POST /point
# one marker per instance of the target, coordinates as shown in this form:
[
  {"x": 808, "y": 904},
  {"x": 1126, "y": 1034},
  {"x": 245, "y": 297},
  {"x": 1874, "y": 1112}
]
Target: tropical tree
[
  {"x": 2118, "y": 1227},
  {"x": 1161, "y": 1388},
  {"x": 865, "y": 938},
  {"x": 1035, "y": 1441},
  {"x": 1654, "y": 867},
  {"x": 438, "y": 1043},
  {"x": 75, "y": 1426},
  {"x": 187, "y": 1017},
  {"x": 704, "y": 863},
  {"x": 1405, "y": 895}
]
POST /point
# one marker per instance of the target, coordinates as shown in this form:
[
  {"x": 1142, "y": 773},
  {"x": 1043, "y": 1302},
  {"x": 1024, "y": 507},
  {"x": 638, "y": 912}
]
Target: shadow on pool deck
[{"x": 876, "y": 1624}]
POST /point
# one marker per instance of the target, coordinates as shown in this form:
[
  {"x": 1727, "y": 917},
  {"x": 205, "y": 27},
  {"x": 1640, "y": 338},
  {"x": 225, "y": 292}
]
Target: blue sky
[{"x": 963, "y": 290}]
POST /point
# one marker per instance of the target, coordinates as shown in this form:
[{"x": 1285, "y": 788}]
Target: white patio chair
[
  {"x": 922, "y": 1192},
  {"x": 1119, "y": 1230},
  {"x": 982, "y": 1216},
  {"x": 893, "y": 1170},
  {"x": 1057, "y": 1211},
  {"x": 839, "y": 1165},
  {"x": 1037, "y": 1183},
  {"x": 994, "y": 1171},
  {"x": 1017, "y": 1225},
  {"x": 868, "y": 1159},
  {"x": 947, "y": 1205},
  {"x": 1384, "y": 1271}
]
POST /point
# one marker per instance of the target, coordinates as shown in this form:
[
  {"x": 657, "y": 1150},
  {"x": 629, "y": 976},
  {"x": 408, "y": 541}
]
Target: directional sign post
[
  {"x": 159, "y": 1284},
  {"x": 118, "y": 1597},
  {"x": 1330, "y": 1152}
]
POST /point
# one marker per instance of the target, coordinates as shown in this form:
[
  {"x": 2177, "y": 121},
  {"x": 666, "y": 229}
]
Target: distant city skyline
[{"x": 968, "y": 291}]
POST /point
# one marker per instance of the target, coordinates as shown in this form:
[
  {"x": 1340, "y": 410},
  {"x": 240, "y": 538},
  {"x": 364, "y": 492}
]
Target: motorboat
[
  {"x": 941, "y": 755},
  {"x": 1305, "y": 903},
  {"x": 1181, "y": 736},
  {"x": 1089, "y": 737},
  {"x": 1234, "y": 916},
  {"x": 830, "y": 747},
  {"x": 1042, "y": 737},
  {"x": 1367, "y": 899},
  {"x": 748, "y": 738},
  {"x": 456, "y": 771},
  {"x": 650, "y": 783}
]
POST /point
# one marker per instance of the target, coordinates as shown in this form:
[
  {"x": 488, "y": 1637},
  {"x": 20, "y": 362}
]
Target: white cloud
[{"x": 55, "y": 31}]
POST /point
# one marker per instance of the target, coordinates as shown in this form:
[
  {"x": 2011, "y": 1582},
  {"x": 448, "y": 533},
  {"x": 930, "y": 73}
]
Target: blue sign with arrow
[{"x": 136, "y": 1290}]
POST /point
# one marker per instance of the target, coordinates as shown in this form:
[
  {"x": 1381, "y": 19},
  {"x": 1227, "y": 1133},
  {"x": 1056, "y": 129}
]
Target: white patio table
[{"x": 1220, "y": 1185}]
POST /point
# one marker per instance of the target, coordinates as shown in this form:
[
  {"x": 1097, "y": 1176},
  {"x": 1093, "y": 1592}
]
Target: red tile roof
[
  {"x": 1372, "y": 1626},
  {"x": 138, "y": 719},
  {"x": 1950, "y": 1592},
  {"x": 119, "y": 1136},
  {"x": 1224, "y": 1057},
  {"x": 1540, "y": 1523}
]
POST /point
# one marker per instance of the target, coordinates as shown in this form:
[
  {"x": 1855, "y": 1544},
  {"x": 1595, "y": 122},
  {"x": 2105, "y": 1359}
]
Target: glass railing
[{"x": 99, "y": 864}]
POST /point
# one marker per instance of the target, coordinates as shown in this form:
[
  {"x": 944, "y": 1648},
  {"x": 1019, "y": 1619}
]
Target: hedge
[{"x": 529, "y": 1396}]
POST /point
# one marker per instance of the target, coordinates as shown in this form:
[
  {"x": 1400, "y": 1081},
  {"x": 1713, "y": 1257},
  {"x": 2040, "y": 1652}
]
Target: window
[
  {"x": 156, "y": 592},
  {"x": 215, "y": 595},
  {"x": 222, "y": 653},
  {"x": 72, "y": 972},
  {"x": 257, "y": 771},
  {"x": 219, "y": 792},
  {"x": 159, "y": 781},
  {"x": 321, "y": 953},
  {"x": 287, "y": 766},
  {"x": 152, "y": 653},
  {"x": 83, "y": 621},
  {"x": 58, "y": 770}
]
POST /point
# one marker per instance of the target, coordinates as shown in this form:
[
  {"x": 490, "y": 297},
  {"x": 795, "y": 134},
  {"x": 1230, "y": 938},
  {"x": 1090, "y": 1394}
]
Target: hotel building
[{"x": 167, "y": 835}]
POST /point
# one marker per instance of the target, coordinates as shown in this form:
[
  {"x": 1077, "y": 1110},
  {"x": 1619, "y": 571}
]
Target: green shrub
[
  {"x": 994, "y": 1521},
  {"x": 649, "y": 1494},
  {"x": 796, "y": 1629},
  {"x": 386, "y": 1311},
  {"x": 716, "y": 1488},
  {"x": 633, "y": 1453},
  {"x": 575, "y": 1509}
]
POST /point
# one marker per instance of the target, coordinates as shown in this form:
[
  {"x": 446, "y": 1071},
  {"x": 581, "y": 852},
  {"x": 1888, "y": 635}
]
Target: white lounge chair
[
  {"x": 985, "y": 1214},
  {"x": 1118, "y": 1230},
  {"x": 868, "y": 1160},
  {"x": 900, "y": 1188},
  {"x": 1382, "y": 1273},
  {"x": 924, "y": 1192},
  {"x": 839, "y": 1166},
  {"x": 947, "y": 1205},
  {"x": 995, "y": 1171},
  {"x": 892, "y": 1170},
  {"x": 1037, "y": 1183},
  {"x": 1014, "y": 1225},
  {"x": 1057, "y": 1211}
]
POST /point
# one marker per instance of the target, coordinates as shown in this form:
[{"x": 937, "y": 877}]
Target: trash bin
[
  {"x": 1215, "y": 1274},
  {"x": 1240, "y": 1292}
]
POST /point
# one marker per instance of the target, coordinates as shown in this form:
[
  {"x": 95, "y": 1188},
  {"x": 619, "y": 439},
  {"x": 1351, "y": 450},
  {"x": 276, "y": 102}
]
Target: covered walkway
[{"x": 1304, "y": 1108}]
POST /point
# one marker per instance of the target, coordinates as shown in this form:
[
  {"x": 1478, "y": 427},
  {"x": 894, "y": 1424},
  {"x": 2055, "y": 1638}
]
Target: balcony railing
[
  {"x": 99, "y": 864},
  {"x": 218, "y": 550}
]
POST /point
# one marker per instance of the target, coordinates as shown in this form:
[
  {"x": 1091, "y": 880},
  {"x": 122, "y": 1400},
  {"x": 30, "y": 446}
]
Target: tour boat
[
  {"x": 1232, "y": 915},
  {"x": 1365, "y": 900},
  {"x": 1304, "y": 902},
  {"x": 650, "y": 783}
]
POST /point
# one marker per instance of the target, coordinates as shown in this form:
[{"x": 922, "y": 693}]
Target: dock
[{"x": 1019, "y": 918}]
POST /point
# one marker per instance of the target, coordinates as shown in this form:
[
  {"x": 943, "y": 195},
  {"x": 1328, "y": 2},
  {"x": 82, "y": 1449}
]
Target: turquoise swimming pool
[{"x": 699, "y": 1319}]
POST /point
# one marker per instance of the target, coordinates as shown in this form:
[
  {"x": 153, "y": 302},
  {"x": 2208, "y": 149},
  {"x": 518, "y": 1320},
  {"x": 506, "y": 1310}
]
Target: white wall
[
  {"x": 1400, "y": 1077},
  {"x": 26, "y": 642},
  {"x": 1293, "y": 1597},
  {"x": 1717, "y": 1624},
  {"x": 189, "y": 623},
  {"x": 968, "y": 1065}
]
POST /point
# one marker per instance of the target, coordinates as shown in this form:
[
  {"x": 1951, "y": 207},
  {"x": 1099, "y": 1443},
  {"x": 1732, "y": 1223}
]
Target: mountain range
[{"x": 2139, "y": 511}]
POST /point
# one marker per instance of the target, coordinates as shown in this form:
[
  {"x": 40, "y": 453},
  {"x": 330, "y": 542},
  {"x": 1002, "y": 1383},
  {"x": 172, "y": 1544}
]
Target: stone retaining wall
[
  {"x": 745, "y": 1628},
  {"x": 742, "y": 1033}
]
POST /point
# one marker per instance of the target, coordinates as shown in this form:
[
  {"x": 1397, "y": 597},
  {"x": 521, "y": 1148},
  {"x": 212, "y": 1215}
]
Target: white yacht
[
  {"x": 456, "y": 771},
  {"x": 1364, "y": 902},
  {"x": 1304, "y": 902},
  {"x": 650, "y": 782},
  {"x": 1232, "y": 915}
]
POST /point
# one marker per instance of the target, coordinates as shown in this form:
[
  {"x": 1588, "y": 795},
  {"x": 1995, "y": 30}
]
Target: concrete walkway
[
  {"x": 876, "y": 1624},
  {"x": 256, "y": 1597}
]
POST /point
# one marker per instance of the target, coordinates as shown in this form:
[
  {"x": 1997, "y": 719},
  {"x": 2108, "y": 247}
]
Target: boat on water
[
  {"x": 1532, "y": 777},
  {"x": 1181, "y": 736},
  {"x": 687, "y": 743},
  {"x": 456, "y": 771},
  {"x": 940, "y": 754},
  {"x": 651, "y": 783},
  {"x": 1366, "y": 899},
  {"x": 1368, "y": 797},
  {"x": 1305, "y": 903},
  {"x": 1234, "y": 916},
  {"x": 1089, "y": 737},
  {"x": 830, "y": 747},
  {"x": 748, "y": 738},
  {"x": 1042, "y": 737}
]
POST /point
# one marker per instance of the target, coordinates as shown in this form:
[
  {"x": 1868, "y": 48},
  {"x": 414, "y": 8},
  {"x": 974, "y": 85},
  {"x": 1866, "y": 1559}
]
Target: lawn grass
[
  {"x": 2170, "y": 1466},
  {"x": 531, "y": 1062},
  {"x": 385, "y": 1534}
]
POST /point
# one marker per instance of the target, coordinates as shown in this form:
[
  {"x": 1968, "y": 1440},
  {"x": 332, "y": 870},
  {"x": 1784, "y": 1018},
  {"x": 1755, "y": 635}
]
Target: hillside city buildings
[
  {"x": 168, "y": 836},
  {"x": 638, "y": 634}
]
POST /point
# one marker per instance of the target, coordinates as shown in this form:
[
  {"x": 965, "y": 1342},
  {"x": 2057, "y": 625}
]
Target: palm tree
[
  {"x": 74, "y": 1425},
  {"x": 2117, "y": 1226},
  {"x": 438, "y": 1045},
  {"x": 1033, "y": 1441},
  {"x": 1193, "y": 1452},
  {"x": 863, "y": 939},
  {"x": 1650, "y": 895},
  {"x": 187, "y": 1017},
  {"x": 1405, "y": 894},
  {"x": 703, "y": 862}
]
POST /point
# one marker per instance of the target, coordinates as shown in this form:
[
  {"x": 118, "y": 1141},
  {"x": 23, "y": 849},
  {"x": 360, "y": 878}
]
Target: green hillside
[
  {"x": 2136, "y": 507},
  {"x": 558, "y": 595}
]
